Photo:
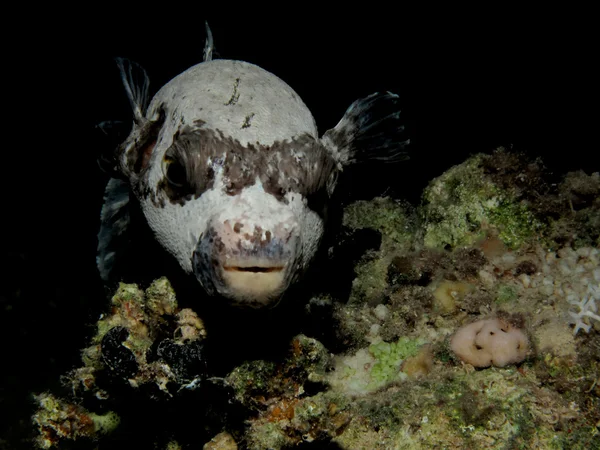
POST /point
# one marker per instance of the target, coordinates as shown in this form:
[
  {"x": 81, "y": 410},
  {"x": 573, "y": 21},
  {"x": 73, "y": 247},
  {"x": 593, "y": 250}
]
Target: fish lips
[{"x": 252, "y": 276}]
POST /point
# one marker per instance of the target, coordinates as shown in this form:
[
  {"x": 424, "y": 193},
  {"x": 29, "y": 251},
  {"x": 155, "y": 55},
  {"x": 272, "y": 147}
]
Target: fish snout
[{"x": 245, "y": 262}]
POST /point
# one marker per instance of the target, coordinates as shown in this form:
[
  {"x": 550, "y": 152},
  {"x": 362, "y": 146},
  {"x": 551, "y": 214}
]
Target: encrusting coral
[{"x": 490, "y": 342}]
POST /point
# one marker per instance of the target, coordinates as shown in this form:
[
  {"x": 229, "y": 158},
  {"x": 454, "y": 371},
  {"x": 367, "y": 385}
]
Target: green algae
[
  {"x": 390, "y": 356},
  {"x": 506, "y": 294}
]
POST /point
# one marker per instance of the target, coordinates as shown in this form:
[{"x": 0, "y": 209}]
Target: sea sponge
[{"x": 490, "y": 342}]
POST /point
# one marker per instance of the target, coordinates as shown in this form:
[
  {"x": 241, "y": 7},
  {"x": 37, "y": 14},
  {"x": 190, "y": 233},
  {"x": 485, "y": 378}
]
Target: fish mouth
[
  {"x": 254, "y": 282},
  {"x": 253, "y": 269},
  {"x": 246, "y": 273}
]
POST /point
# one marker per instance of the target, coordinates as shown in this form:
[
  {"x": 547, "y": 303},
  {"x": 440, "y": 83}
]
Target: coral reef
[
  {"x": 145, "y": 339},
  {"x": 496, "y": 244}
]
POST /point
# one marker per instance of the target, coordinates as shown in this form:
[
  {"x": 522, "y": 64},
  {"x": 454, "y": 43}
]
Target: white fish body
[{"x": 232, "y": 178}]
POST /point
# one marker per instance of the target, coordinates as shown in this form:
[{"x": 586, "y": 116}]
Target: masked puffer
[{"x": 230, "y": 174}]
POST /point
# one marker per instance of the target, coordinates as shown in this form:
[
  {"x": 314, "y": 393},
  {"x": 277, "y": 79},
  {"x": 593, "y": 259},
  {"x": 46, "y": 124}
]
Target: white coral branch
[{"x": 587, "y": 308}]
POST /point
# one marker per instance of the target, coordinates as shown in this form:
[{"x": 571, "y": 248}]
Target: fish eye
[{"x": 175, "y": 172}]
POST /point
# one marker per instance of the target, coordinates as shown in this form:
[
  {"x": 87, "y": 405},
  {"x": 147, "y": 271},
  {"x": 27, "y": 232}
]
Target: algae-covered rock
[
  {"x": 465, "y": 204},
  {"x": 145, "y": 345},
  {"x": 447, "y": 407},
  {"x": 286, "y": 397},
  {"x": 254, "y": 382},
  {"x": 396, "y": 222},
  {"x": 373, "y": 367},
  {"x": 132, "y": 342},
  {"x": 58, "y": 421},
  {"x": 580, "y": 195},
  {"x": 487, "y": 409},
  {"x": 222, "y": 441}
]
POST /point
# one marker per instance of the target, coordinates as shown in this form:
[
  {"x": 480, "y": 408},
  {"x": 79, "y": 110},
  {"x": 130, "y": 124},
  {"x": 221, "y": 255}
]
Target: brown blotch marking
[
  {"x": 144, "y": 139},
  {"x": 257, "y": 235},
  {"x": 237, "y": 227},
  {"x": 235, "y": 96},
  {"x": 247, "y": 120},
  {"x": 268, "y": 236},
  {"x": 299, "y": 165}
]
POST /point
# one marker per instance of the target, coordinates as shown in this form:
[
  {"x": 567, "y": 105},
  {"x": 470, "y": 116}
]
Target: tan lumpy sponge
[{"x": 490, "y": 342}]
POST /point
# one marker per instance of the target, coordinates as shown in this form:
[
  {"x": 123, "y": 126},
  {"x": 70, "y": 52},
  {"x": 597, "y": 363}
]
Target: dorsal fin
[
  {"x": 209, "y": 46},
  {"x": 136, "y": 83}
]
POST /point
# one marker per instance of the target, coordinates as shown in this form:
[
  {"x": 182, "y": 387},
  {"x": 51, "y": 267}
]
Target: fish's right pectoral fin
[
  {"x": 133, "y": 154},
  {"x": 110, "y": 134}
]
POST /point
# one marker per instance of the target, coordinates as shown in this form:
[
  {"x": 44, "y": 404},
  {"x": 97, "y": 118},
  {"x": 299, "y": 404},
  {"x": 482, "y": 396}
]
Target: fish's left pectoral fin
[
  {"x": 114, "y": 224},
  {"x": 370, "y": 130},
  {"x": 137, "y": 86}
]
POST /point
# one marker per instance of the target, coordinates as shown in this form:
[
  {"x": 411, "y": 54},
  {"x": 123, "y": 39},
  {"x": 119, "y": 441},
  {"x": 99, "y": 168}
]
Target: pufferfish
[{"x": 231, "y": 176}]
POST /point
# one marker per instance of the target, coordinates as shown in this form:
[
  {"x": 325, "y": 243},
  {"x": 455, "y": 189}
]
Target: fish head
[{"x": 232, "y": 179}]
